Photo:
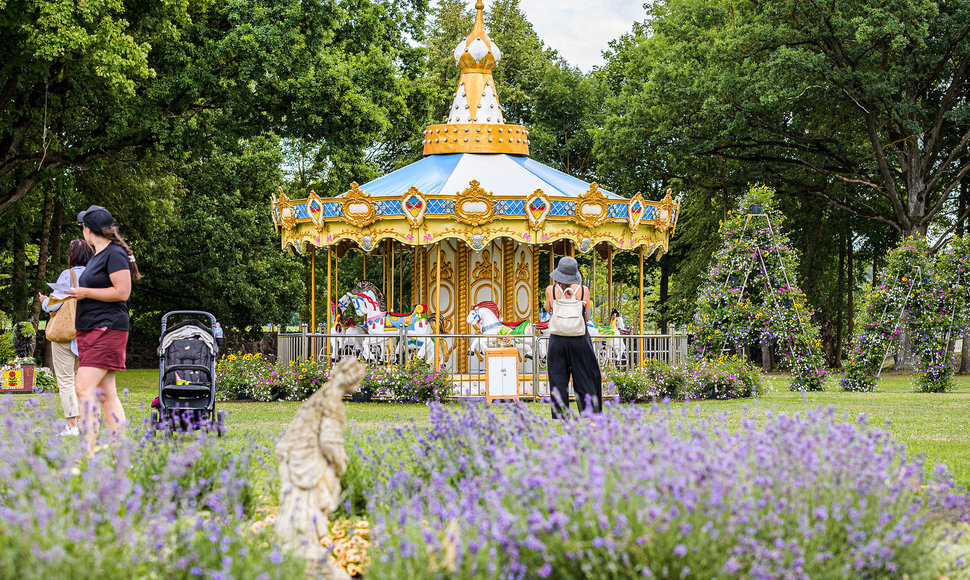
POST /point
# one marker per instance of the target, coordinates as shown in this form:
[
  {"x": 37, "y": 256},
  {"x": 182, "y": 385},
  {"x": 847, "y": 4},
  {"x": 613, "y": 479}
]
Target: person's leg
[
  {"x": 85, "y": 384},
  {"x": 114, "y": 413},
  {"x": 557, "y": 367},
  {"x": 64, "y": 363},
  {"x": 587, "y": 379}
]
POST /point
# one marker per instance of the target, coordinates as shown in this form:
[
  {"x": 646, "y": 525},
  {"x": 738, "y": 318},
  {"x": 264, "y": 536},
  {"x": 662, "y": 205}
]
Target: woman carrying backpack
[{"x": 570, "y": 346}]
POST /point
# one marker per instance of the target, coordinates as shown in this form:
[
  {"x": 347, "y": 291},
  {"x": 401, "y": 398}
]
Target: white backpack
[{"x": 567, "y": 315}]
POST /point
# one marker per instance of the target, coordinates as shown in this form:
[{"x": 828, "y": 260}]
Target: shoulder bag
[
  {"x": 567, "y": 315},
  {"x": 60, "y": 328}
]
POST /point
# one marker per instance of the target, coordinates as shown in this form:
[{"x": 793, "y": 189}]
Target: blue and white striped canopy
[{"x": 499, "y": 174}]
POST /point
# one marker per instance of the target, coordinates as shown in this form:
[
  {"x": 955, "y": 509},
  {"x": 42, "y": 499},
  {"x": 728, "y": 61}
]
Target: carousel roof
[
  {"x": 501, "y": 174},
  {"x": 476, "y": 184}
]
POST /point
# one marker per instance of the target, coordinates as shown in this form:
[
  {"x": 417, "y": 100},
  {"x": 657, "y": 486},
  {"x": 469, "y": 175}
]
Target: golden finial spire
[
  {"x": 475, "y": 121},
  {"x": 479, "y": 28}
]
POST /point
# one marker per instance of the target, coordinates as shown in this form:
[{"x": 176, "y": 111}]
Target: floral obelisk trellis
[
  {"x": 929, "y": 295},
  {"x": 752, "y": 295}
]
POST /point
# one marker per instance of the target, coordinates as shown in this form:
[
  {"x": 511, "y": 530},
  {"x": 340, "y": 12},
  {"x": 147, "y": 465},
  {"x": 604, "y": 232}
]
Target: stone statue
[{"x": 311, "y": 460}]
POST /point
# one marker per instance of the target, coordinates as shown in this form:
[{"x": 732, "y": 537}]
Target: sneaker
[{"x": 70, "y": 432}]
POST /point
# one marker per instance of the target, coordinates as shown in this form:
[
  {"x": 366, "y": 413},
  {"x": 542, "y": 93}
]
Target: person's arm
[
  {"x": 589, "y": 304},
  {"x": 549, "y": 298},
  {"x": 119, "y": 291},
  {"x": 63, "y": 278}
]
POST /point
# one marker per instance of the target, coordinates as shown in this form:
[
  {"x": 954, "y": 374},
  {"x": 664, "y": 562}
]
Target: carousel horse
[
  {"x": 377, "y": 322},
  {"x": 613, "y": 349},
  {"x": 484, "y": 317},
  {"x": 353, "y": 340}
]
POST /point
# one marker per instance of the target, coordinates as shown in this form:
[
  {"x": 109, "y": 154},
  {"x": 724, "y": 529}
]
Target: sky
[{"x": 581, "y": 29}]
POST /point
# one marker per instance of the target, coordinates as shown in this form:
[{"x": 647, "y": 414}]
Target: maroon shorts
[{"x": 102, "y": 348}]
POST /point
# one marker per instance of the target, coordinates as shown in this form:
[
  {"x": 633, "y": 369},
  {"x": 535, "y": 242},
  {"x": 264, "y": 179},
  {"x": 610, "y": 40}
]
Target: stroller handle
[{"x": 212, "y": 318}]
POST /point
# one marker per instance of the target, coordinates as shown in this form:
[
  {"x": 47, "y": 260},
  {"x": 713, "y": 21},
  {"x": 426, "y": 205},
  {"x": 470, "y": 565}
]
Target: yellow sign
[{"x": 13, "y": 378}]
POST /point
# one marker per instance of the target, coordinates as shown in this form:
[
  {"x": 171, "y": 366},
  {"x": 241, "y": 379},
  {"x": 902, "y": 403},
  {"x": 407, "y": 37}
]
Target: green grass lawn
[{"x": 936, "y": 425}]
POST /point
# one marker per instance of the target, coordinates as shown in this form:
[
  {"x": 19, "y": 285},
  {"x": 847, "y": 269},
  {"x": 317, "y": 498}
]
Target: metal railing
[{"x": 623, "y": 352}]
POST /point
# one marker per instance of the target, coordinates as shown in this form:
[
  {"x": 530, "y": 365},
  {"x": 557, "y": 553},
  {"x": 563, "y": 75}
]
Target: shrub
[
  {"x": 44, "y": 380},
  {"x": 640, "y": 492},
  {"x": 724, "y": 378},
  {"x": 24, "y": 339},
  {"x": 7, "y": 353},
  {"x": 236, "y": 375},
  {"x": 415, "y": 382}
]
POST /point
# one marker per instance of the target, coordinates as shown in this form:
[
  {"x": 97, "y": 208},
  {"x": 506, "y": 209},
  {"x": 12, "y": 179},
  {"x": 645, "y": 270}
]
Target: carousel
[{"x": 474, "y": 219}]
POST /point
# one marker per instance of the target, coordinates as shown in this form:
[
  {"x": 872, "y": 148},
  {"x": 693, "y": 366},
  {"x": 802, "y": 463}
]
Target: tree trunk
[
  {"x": 18, "y": 283},
  {"x": 851, "y": 306},
  {"x": 965, "y": 354},
  {"x": 766, "y": 362},
  {"x": 904, "y": 356},
  {"x": 837, "y": 353},
  {"x": 57, "y": 234},
  {"x": 810, "y": 251},
  {"x": 45, "y": 234}
]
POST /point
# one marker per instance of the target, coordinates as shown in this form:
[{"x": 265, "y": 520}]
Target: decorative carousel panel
[
  {"x": 315, "y": 208},
  {"x": 415, "y": 207},
  {"x": 537, "y": 208},
  {"x": 275, "y": 212},
  {"x": 591, "y": 209},
  {"x": 523, "y": 283},
  {"x": 448, "y": 315},
  {"x": 474, "y": 205},
  {"x": 666, "y": 214},
  {"x": 635, "y": 211},
  {"x": 358, "y": 207},
  {"x": 486, "y": 275}
]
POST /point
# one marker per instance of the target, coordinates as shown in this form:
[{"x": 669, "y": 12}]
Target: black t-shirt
[{"x": 95, "y": 313}]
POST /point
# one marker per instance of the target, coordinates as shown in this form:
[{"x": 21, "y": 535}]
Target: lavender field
[{"x": 784, "y": 486}]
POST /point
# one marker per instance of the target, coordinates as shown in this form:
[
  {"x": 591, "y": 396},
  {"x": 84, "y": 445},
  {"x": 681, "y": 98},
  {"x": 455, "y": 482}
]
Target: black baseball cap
[{"x": 96, "y": 218}]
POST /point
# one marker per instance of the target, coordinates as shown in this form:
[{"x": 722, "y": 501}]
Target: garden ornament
[{"x": 312, "y": 459}]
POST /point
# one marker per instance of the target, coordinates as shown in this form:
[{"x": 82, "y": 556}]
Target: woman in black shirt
[{"x": 102, "y": 323}]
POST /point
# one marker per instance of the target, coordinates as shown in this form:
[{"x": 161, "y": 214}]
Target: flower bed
[
  {"x": 637, "y": 493},
  {"x": 245, "y": 376},
  {"x": 166, "y": 507},
  {"x": 724, "y": 378}
]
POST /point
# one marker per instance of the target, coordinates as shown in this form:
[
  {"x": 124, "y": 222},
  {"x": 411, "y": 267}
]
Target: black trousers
[{"x": 573, "y": 355}]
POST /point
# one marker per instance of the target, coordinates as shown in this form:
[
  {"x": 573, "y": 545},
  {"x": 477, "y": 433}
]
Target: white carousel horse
[
  {"x": 484, "y": 318},
  {"x": 377, "y": 322},
  {"x": 613, "y": 349}
]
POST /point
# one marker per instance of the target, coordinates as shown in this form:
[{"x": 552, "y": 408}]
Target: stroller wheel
[{"x": 155, "y": 418}]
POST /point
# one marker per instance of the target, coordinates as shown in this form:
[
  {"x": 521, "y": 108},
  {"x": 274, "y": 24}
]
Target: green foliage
[
  {"x": 857, "y": 103},
  {"x": 723, "y": 378},
  {"x": 414, "y": 382},
  {"x": 44, "y": 381},
  {"x": 752, "y": 294},
  {"x": 24, "y": 339},
  {"x": 7, "y": 353},
  {"x": 236, "y": 374}
]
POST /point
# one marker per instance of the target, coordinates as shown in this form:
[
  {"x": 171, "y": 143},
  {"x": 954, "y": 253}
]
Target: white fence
[{"x": 620, "y": 352}]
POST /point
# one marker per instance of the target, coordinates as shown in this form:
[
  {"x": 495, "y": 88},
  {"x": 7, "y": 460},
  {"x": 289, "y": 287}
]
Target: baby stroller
[{"x": 187, "y": 354}]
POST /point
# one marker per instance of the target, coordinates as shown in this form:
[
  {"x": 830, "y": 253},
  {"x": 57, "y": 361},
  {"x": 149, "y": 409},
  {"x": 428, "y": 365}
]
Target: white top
[{"x": 63, "y": 280}]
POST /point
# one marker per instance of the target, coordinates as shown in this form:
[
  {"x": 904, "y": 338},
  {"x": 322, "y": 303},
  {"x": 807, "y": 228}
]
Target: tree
[
  {"x": 216, "y": 250},
  {"x": 132, "y": 106},
  {"x": 861, "y": 104}
]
